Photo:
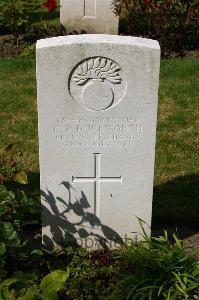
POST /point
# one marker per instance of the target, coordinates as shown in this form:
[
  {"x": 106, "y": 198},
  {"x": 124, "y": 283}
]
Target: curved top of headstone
[{"x": 97, "y": 39}]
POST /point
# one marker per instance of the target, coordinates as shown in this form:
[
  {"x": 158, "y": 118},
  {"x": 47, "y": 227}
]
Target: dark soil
[
  {"x": 192, "y": 54},
  {"x": 11, "y": 46}
]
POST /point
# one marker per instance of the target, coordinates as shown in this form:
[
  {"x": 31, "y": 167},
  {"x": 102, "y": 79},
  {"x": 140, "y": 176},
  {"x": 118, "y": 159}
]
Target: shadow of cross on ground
[{"x": 81, "y": 231}]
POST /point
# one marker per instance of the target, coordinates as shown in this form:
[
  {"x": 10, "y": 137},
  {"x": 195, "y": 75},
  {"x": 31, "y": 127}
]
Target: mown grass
[
  {"x": 18, "y": 113},
  {"x": 178, "y": 120},
  {"x": 176, "y": 190},
  {"x": 176, "y": 181}
]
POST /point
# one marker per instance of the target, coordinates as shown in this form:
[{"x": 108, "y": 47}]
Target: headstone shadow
[{"x": 176, "y": 206}]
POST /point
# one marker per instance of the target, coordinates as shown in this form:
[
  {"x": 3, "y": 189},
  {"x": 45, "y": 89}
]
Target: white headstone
[
  {"x": 97, "y": 103},
  {"x": 91, "y": 16}
]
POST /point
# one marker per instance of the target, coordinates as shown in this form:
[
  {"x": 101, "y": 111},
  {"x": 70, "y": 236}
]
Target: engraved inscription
[
  {"x": 98, "y": 131},
  {"x": 97, "y": 84},
  {"x": 97, "y": 180}
]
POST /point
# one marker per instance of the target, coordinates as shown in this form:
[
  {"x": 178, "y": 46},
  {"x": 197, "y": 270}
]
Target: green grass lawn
[
  {"x": 177, "y": 155},
  {"x": 18, "y": 110},
  {"x": 178, "y": 120}
]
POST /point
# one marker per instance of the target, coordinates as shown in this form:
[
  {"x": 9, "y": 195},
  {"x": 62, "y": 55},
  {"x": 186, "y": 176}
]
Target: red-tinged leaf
[{"x": 2, "y": 178}]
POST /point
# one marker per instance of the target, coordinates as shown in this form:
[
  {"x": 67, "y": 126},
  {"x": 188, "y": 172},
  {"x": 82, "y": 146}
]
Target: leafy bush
[
  {"x": 158, "y": 269},
  {"x": 17, "y": 211},
  {"x": 154, "y": 268},
  {"x": 174, "y": 23},
  {"x": 92, "y": 275},
  {"x": 52, "y": 283},
  {"x": 16, "y": 14},
  {"x": 29, "y": 51},
  {"x": 10, "y": 167}
]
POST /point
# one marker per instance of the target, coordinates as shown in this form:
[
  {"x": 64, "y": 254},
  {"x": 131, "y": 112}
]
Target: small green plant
[
  {"x": 17, "y": 211},
  {"x": 16, "y": 14},
  {"x": 4, "y": 288},
  {"x": 52, "y": 283},
  {"x": 158, "y": 269},
  {"x": 29, "y": 51},
  {"x": 92, "y": 276},
  {"x": 10, "y": 169}
]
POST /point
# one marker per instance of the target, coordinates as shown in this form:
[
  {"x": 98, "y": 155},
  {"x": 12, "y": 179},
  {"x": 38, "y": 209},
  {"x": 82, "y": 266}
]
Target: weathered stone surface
[
  {"x": 91, "y": 16},
  {"x": 192, "y": 245},
  {"x": 97, "y": 103}
]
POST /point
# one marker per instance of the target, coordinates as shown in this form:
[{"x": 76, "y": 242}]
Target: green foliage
[
  {"x": 92, "y": 275},
  {"x": 29, "y": 51},
  {"x": 10, "y": 169},
  {"x": 174, "y": 23},
  {"x": 53, "y": 283},
  {"x": 4, "y": 288},
  {"x": 17, "y": 211},
  {"x": 153, "y": 268},
  {"x": 20, "y": 286},
  {"x": 16, "y": 14},
  {"x": 158, "y": 269}
]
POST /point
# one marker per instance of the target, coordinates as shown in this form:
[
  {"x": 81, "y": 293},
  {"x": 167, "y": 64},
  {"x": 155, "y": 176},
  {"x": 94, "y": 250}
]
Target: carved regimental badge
[{"x": 97, "y": 83}]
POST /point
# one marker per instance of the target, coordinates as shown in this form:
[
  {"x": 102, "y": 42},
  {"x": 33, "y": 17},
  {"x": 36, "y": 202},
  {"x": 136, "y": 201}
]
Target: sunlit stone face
[{"x": 97, "y": 105}]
